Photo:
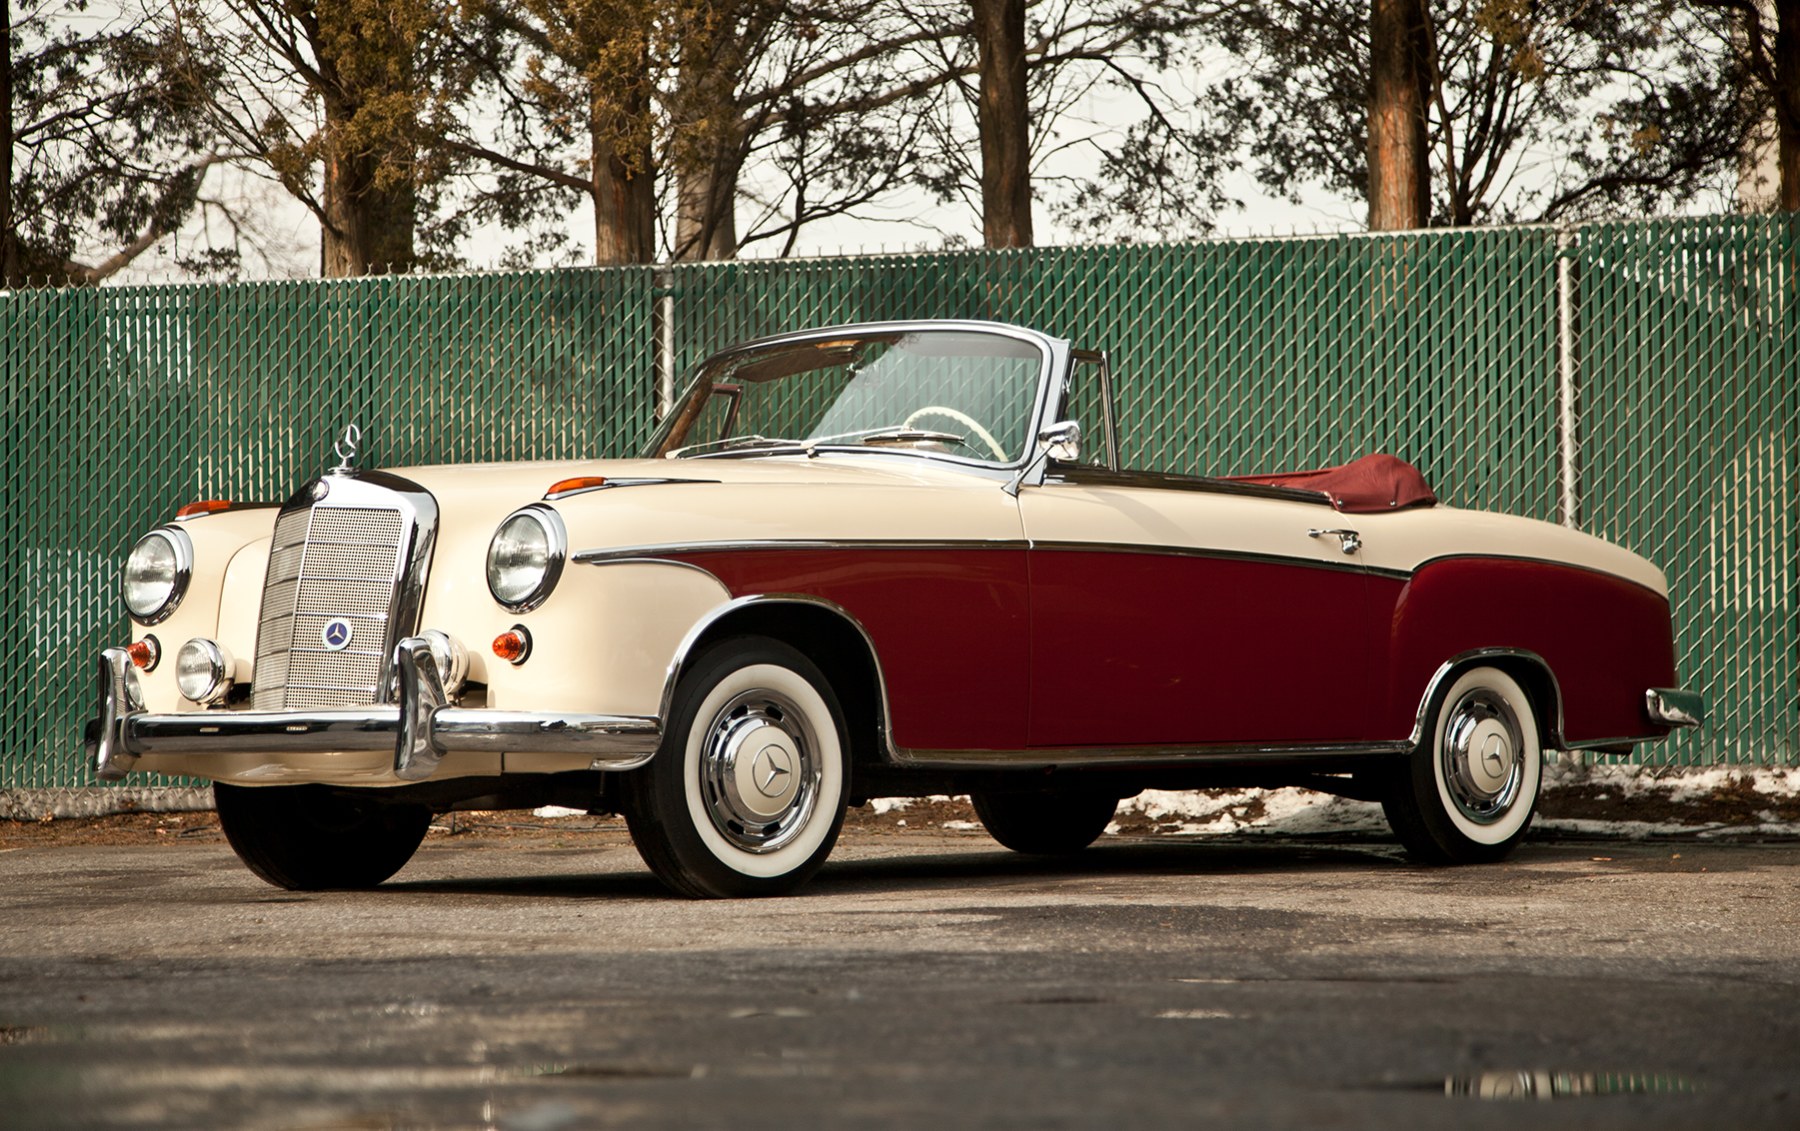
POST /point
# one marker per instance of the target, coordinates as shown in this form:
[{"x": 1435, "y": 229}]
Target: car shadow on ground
[{"x": 979, "y": 865}]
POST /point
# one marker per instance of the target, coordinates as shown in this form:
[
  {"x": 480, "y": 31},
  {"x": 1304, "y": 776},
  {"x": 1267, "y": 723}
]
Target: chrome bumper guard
[
  {"x": 1674, "y": 707},
  {"x": 419, "y": 731}
]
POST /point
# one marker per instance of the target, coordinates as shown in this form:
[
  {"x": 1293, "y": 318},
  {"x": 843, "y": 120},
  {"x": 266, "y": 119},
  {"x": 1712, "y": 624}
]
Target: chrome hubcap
[
  {"x": 1483, "y": 756},
  {"x": 759, "y": 772}
]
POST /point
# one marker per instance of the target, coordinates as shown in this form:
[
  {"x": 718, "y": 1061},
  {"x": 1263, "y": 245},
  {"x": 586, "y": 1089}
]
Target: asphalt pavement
[{"x": 925, "y": 979}]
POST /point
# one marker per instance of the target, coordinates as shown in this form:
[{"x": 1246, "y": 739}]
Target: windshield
[{"x": 963, "y": 393}]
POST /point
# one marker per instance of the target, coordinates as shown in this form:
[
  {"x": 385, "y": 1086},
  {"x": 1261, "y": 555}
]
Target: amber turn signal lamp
[
  {"x": 204, "y": 506},
  {"x": 570, "y": 486},
  {"x": 145, "y": 653},
  {"x": 513, "y": 645}
]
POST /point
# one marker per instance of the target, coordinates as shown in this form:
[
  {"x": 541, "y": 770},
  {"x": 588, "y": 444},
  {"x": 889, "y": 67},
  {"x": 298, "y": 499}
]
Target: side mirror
[{"x": 1060, "y": 441}]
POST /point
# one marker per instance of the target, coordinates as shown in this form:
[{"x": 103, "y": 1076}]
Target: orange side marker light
[
  {"x": 513, "y": 645},
  {"x": 145, "y": 653}
]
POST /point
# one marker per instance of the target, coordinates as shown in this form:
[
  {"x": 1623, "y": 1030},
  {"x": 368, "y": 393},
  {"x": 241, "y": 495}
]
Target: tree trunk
[
  {"x": 624, "y": 174},
  {"x": 368, "y": 226},
  {"x": 1787, "y": 101},
  {"x": 1004, "y": 120},
  {"x": 12, "y": 271},
  {"x": 1399, "y": 169},
  {"x": 624, "y": 208},
  {"x": 709, "y": 141},
  {"x": 368, "y": 197},
  {"x": 706, "y": 208}
]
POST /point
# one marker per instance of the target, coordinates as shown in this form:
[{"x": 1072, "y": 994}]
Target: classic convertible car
[{"x": 889, "y": 559}]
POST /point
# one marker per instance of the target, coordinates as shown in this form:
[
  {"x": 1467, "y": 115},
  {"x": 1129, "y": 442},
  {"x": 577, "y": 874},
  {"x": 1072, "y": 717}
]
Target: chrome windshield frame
[{"x": 1054, "y": 359}]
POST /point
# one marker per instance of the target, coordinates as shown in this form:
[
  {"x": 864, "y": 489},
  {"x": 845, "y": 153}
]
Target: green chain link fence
[{"x": 1672, "y": 348}]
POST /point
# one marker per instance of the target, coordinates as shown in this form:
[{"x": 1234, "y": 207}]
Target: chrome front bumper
[
  {"x": 1673, "y": 707},
  {"x": 419, "y": 731}
]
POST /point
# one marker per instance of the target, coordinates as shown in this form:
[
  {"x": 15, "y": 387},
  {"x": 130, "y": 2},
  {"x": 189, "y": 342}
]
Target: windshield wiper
[
  {"x": 892, "y": 436},
  {"x": 749, "y": 445}
]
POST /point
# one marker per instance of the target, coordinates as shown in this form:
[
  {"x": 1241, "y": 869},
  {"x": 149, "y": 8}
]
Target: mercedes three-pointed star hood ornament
[{"x": 346, "y": 448}]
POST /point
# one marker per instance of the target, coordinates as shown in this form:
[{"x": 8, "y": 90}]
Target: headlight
[
  {"x": 526, "y": 557},
  {"x": 203, "y": 671},
  {"x": 156, "y": 574}
]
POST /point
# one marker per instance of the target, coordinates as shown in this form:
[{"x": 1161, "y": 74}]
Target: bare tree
[
  {"x": 568, "y": 117},
  {"x": 1534, "y": 111},
  {"x": 338, "y": 100},
  {"x": 1770, "y": 58},
  {"x": 102, "y": 147}
]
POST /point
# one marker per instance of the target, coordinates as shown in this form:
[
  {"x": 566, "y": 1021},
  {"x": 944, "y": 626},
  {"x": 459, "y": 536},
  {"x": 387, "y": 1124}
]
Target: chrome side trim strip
[
  {"x": 664, "y": 550},
  {"x": 1127, "y": 757},
  {"x": 1675, "y": 707},
  {"x": 1088, "y": 476},
  {"x": 1223, "y": 555},
  {"x": 1503, "y": 557}
]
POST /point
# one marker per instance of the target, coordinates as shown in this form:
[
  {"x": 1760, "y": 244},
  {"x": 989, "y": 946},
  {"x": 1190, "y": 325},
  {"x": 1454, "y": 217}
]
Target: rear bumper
[
  {"x": 418, "y": 731},
  {"x": 1673, "y": 707}
]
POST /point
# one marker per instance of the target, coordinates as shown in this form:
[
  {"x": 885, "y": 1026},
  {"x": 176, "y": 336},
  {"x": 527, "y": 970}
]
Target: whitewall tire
[
  {"x": 1467, "y": 795},
  {"x": 747, "y": 794}
]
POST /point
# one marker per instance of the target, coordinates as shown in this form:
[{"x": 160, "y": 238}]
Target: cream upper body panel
[
  {"x": 1225, "y": 521},
  {"x": 726, "y": 501},
  {"x": 1405, "y": 540}
]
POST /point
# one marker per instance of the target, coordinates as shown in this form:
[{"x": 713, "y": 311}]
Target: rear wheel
[
  {"x": 1045, "y": 822},
  {"x": 747, "y": 794},
  {"x": 311, "y": 838},
  {"x": 1467, "y": 795}
]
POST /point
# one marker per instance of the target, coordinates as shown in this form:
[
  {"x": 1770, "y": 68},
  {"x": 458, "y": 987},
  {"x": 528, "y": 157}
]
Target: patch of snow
[
  {"x": 557, "y": 811},
  {"x": 960, "y": 826}
]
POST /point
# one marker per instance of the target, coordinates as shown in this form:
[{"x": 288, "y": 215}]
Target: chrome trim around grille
[{"x": 353, "y": 545}]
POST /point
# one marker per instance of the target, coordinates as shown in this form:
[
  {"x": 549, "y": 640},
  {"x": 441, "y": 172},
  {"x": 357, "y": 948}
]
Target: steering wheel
[{"x": 964, "y": 419}]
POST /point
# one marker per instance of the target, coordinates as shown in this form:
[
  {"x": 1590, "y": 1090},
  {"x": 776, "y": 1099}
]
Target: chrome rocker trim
[
  {"x": 419, "y": 731},
  {"x": 1675, "y": 707}
]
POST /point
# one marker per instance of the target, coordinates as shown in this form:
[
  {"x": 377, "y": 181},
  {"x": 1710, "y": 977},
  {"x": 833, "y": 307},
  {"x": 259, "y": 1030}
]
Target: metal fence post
[
  {"x": 1568, "y": 508},
  {"x": 663, "y": 319}
]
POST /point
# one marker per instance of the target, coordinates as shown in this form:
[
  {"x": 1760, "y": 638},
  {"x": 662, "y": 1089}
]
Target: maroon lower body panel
[
  {"x": 950, "y": 628},
  {"x": 1605, "y": 639},
  {"x": 1152, "y": 649}
]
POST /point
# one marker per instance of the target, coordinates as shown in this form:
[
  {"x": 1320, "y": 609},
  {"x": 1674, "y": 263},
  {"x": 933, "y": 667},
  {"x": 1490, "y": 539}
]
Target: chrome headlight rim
[
  {"x": 183, "y": 550},
  {"x": 556, "y": 553},
  {"x": 218, "y": 666}
]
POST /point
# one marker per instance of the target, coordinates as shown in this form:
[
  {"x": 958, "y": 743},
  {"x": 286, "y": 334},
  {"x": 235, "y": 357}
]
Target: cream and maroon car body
[{"x": 983, "y": 617}]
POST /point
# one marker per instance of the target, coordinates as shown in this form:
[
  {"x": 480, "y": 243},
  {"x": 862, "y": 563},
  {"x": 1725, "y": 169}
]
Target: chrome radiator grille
[{"x": 354, "y": 556}]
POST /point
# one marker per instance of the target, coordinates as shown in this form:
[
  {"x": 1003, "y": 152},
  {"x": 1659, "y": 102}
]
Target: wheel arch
[
  {"x": 824, "y": 631},
  {"x": 1530, "y": 670}
]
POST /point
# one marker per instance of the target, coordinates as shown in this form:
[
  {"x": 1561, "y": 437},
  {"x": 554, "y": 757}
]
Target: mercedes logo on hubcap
[
  {"x": 770, "y": 770},
  {"x": 337, "y": 634}
]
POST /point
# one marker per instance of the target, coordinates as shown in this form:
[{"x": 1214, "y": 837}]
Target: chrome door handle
[{"x": 1348, "y": 540}]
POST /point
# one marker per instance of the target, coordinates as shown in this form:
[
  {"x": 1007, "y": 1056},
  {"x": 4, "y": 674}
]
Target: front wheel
[
  {"x": 1045, "y": 822},
  {"x": 311, "y": 838},
  {"x": 747, "y": 794},
  {"x": 1467, "y": 794}
]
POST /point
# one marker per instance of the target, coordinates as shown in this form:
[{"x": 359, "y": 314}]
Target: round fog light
[{"x": 203, "y": 671}]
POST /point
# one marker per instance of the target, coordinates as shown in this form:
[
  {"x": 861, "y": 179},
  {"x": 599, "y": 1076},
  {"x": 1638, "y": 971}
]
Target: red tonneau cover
[{"x": 1372, "y": 483}]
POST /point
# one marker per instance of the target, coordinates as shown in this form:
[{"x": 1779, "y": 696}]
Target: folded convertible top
[{"x": 1372, "y": 483}]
